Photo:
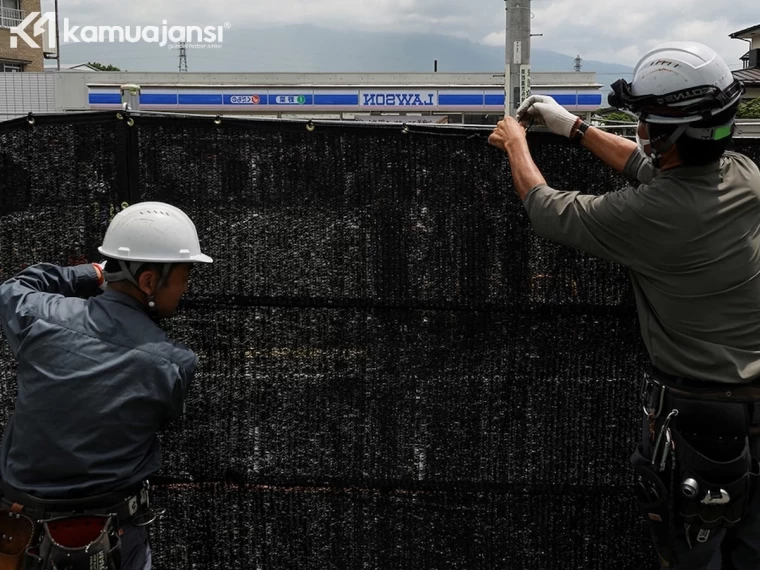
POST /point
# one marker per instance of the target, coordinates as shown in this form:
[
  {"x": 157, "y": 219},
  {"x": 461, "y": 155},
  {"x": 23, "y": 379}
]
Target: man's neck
[
  {"x": 128, "y": 290},
  {"x": 670, "y": 160}
]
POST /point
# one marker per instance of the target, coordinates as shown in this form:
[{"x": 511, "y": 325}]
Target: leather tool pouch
[
  {"x": 16, "y": 535},
  {"x": 81, "y": 542}
]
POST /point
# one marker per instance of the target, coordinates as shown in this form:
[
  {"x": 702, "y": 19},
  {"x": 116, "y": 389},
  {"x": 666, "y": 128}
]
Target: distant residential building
[
  {"x": 23, "y": 57},
  {"x": 750, "y": 74},
  {"x": 70, "y": 67}
]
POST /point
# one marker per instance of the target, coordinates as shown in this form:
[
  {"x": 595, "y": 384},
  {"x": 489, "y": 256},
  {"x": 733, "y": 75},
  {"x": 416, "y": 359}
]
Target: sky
[{"x": 615, "y": 31}]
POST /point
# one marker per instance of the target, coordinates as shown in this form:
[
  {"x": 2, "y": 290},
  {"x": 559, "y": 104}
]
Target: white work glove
[{"x": 544, "y": 110}]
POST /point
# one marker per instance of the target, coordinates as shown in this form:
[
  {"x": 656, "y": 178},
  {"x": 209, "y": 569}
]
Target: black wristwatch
[{"x": 580, "y": 132}]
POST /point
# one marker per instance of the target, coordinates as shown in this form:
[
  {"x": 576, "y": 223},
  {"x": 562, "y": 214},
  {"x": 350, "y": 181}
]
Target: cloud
[
  {"x": 617, "y": 31},
  {"x": 495, "y": 39},
  {"x": 620, "y": 31}
]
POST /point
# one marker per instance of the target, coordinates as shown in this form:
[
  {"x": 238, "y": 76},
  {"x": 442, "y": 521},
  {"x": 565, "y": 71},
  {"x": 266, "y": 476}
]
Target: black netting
[{"x": 395, "y": 372}]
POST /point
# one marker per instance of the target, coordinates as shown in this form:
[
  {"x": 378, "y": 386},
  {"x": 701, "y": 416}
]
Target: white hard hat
[
  {"x": 153, "y": 232},
  {"x": 678, "y": 83}
]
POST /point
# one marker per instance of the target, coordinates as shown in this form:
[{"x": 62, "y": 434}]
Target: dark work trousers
[
  {"x": 737, "y": 548},
  {"x": 135, "y": 548}
]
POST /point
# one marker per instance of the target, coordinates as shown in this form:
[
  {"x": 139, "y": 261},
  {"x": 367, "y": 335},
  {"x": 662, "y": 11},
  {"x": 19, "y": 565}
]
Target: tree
[
  {"x": 617, "y": 121},
  {"x": 103, "y": 67},
  {"x": 613, "y": 115},
  {"x": 619, "y": 117},
  {"x": 749, "y": 109}
]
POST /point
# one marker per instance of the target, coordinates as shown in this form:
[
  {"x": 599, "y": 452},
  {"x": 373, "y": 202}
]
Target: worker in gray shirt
[
  {"x": 97, "y": 379},
  {"x": 689, "y": 232}
]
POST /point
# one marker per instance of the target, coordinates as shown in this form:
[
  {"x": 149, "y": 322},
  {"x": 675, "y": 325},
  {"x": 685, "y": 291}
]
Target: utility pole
[
  {"x": 182, "y": 57},
  {"x": 51, "y": 44},
  {"x": 517, "y": 54},
  {"x": 57, "y": 40}
]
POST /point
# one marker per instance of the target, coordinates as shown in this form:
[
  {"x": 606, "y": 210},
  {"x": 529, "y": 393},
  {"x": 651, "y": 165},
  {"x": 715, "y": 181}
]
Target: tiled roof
[{"x": 749, "y": 76}]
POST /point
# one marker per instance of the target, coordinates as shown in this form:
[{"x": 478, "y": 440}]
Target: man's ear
[{"x": 148, "y": 281}]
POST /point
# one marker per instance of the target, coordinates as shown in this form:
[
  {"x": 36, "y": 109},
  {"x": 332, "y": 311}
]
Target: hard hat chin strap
[
  {"x": 128, "y": 272},
  {"x": 661, "y": 145}
]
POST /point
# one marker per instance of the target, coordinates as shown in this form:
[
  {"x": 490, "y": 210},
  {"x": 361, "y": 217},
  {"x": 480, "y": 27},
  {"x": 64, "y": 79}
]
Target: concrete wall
[
  {"x": 68, "y": 91},
  {"x": 21, "y": 93},
  {"x": 73, "y": 89},
  {"x": 752, "y": 93},
  {"x": 569, "y": 79}
]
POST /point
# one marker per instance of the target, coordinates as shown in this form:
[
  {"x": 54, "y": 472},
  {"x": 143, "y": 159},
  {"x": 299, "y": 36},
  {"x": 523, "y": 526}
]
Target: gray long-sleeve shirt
[
  {"x": 691, "y": 239},
  {"x": 97, "y": 379}
]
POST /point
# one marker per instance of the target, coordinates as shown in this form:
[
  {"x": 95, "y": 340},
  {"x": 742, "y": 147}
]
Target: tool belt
[
  {"x": 53, "y": 534},
  {"x": 126, "y": 505},
  {"x": 697, "y": 471},
  {"x": 79, "y": 542}
]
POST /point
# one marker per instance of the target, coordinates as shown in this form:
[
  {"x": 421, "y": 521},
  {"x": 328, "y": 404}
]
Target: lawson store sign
[{"x": 476, "y": 99}]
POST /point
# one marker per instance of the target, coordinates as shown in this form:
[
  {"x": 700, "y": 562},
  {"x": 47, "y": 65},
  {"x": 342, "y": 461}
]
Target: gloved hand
[{"x": 546, "y": 111}]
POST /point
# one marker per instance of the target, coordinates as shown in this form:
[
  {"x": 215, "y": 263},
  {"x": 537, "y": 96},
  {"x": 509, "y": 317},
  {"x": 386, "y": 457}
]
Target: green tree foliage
[
  {"x": 103, "y": 67},
  {"x": 749, "y": 110}
]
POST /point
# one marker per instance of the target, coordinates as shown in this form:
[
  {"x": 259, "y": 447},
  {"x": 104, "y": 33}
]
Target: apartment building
[{"x": 23, "y": 57}]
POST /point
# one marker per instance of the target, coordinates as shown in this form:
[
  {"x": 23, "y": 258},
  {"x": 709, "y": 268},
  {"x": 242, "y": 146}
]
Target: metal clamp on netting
[
  {"x": 125, "y": 115},
  {"x": 311, "y": 127},
  {"x": 30, "y": 118}
]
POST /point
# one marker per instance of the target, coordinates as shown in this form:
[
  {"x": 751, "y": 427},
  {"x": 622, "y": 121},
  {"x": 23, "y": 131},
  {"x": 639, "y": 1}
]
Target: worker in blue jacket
[{"x": 97, "y": 377}]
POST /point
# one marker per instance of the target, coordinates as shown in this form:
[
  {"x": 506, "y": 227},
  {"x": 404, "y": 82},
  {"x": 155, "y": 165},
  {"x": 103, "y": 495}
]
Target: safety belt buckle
[
  {"x": 145, "y": 497},
  {"x": 652, "y": 397},
  {"x": 140, "y": 501},
  {"x": 149, "y": 515}
]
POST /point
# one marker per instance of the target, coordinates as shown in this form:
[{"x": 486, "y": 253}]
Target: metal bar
[
  {"x": 57, "y": 39},
  {"x": 316, "y": 121}
]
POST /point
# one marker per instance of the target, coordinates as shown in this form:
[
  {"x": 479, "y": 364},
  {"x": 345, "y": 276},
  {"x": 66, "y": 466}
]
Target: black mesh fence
[{"x": 395, "y": 372}]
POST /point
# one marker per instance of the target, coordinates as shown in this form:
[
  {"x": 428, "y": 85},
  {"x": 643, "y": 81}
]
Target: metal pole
[
  {"x": 57, "y": 39},
  {"x": 517, "y": 54},
  {"x": 507, "y": 60}
]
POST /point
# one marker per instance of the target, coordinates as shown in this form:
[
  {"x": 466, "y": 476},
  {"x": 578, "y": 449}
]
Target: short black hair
[{"x": 694, "y": 152}]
